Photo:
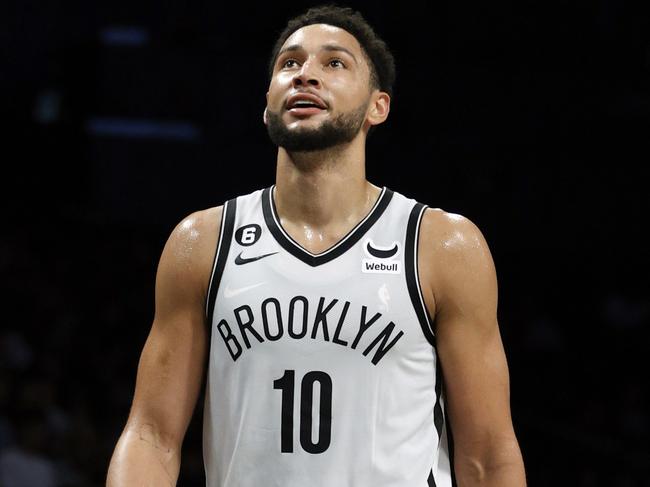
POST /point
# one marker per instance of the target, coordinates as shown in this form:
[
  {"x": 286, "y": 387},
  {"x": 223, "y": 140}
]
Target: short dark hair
[{"x": 380, "y": 59}]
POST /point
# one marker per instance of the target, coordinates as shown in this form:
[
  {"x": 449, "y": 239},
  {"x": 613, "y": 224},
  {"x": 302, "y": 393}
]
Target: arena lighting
[
  {"x": 142, "y": 129},
  {"x": 124, "y": 36}
]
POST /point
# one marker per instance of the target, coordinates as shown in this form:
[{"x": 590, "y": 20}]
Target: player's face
[{"x": 320, "y": 90}]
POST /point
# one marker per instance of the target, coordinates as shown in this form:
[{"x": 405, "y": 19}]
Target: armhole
[
  {"x": 411, "y": 271},
  {"x": 417, "y": 299},
  {"x": 220, "y": 256}
]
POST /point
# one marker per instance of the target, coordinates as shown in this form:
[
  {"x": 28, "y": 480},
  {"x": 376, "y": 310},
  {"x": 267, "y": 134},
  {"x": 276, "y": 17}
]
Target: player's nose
[{"x": 307, "y": 76}]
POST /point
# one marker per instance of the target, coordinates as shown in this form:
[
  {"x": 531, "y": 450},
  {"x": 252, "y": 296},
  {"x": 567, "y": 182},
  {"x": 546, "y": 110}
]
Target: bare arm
[
  {"x": 172, "y": 363},
  {"x": 460, "y": 285}
]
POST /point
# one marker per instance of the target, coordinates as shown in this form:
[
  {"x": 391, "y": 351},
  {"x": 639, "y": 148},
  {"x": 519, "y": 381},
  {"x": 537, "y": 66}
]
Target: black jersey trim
[
  {"x": 440, "y": 419},
  {"x": 225, "y": 237},
  {"x": 295, "y": 249},
  {"x": 442, "y": 424},
  {"x": 450, "y": 443},
  {"x": 438, "y": 414},
  {"x": 431, "y": 482},
  {"x": 450, "y": 450},
  {"x": 411, "y": 271}
]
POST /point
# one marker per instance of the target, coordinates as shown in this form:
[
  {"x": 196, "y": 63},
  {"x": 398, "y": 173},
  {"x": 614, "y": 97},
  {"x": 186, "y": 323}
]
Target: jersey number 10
[{"x": 286, "y": 384}]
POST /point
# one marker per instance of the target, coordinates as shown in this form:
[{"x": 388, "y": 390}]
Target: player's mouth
[{"x": 305, "y": 104}]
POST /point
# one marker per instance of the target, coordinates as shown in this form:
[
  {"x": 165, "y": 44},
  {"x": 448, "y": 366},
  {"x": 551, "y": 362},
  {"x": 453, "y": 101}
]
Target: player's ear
[
  {"x": 265, "y": 116},
  {"x": 379, "y": 107}
]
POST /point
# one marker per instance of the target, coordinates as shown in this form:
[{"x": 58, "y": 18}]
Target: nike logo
[
  {"x": 228, "y": 292},
  {"x": 239, "y": 260},
  {"x": 381, "y": 253}
]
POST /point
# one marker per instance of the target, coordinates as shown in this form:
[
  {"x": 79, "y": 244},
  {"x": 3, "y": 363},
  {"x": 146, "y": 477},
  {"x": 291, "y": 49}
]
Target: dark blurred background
[{"x": 122, "y": 117}]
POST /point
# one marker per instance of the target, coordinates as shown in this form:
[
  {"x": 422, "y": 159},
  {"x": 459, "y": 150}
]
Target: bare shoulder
[
  {"x": 450, "y": 232},
  {"x": 199, "y": 223},
  {"x": 196, "y": 233},
  {"x": 454, "y": 257},
  {"x": 449, "y": 235},
  {"x": 191, "y": 246}
]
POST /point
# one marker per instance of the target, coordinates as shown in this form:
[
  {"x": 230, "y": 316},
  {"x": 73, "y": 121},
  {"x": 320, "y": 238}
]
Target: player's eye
[
  {"x": 336, "y": 63},
  {"x": 290, "y": 63}
]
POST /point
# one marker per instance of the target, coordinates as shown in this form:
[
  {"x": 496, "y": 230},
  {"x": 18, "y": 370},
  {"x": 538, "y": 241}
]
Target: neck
[{"x": 323, "y": 192}]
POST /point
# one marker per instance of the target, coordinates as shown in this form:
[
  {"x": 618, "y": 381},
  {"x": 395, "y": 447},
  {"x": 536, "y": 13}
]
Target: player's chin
[{"x": 311, "y": 122}]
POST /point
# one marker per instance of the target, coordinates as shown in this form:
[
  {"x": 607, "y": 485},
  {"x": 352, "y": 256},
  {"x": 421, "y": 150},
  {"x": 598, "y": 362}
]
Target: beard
[{"x": 340, "y": 130}]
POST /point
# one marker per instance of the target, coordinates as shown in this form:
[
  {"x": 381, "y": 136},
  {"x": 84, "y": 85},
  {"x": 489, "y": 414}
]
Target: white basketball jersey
[{"x": 323, "y": 369}]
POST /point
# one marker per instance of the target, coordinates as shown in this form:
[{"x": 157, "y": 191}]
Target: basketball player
[{"x": 345, "y": 331}]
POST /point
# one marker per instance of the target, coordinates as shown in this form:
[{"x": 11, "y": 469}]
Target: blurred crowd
[{"x": 78, "y": 304}]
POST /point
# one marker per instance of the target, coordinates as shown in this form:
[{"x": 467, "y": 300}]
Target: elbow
[
  {"x": 500, "y": 465},
  {"x": 154, "y": 436}
]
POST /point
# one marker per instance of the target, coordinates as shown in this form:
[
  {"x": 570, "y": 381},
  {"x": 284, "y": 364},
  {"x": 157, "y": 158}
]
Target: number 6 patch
[{"x": 248, "y": 234}]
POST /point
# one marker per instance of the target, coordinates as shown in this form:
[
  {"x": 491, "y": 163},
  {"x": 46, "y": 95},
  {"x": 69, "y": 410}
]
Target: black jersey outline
[
  {"x": 342, "y": 246},
  {"x": 226, "y": 231}
]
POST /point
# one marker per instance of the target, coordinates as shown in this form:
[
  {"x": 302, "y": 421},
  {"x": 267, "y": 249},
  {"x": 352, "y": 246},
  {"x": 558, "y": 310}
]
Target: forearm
[
  {"x": 140, "y": 459},
  {"x": 497, "y": 468}
]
